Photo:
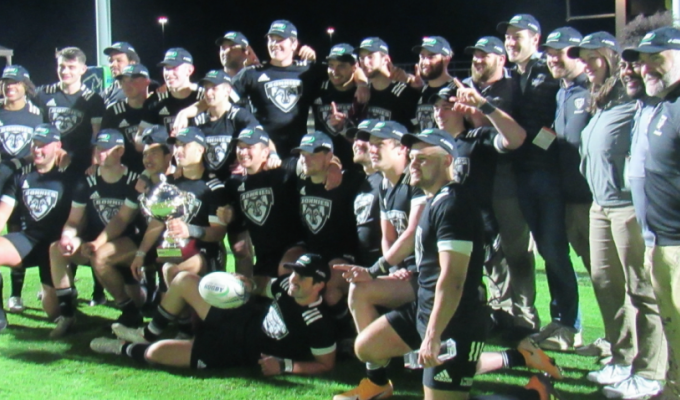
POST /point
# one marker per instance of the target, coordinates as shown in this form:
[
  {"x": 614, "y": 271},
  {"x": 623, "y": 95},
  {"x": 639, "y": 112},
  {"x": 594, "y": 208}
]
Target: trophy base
[{"x": 176, "y": 255}]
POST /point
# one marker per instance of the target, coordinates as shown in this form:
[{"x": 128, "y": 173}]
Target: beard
[
  {"x": 435, "y": 72},
  {"x": 482, "y": 75}
]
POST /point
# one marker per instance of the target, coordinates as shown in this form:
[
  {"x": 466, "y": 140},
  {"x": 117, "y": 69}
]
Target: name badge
[{"x": 544, "y": 138}]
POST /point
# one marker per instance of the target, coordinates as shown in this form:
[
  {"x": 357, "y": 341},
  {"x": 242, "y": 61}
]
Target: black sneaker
[{"x": 97, "y": 299}]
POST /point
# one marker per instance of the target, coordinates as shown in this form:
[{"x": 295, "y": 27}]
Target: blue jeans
[{"x": 542, "y": 204}]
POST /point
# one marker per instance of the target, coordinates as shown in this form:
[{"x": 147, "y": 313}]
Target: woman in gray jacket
[{"x": 622, "y": 285}]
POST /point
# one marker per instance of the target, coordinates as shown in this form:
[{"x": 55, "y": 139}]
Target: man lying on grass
[{"x": 293, "y": 335}]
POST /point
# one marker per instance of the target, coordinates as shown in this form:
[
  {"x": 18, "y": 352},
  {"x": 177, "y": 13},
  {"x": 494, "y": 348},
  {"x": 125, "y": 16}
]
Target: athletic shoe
[
  {"x": 64, "y": 324},
  {"x": 367, "y": 390},
  {"x": 15, "y": 305},
  {"x": 635, "y": 387},
  {"x": 535, "y": 358},
  {"x": 542, "y": 385},
  {"x": 562, "y": 339},
  {"x": 610, "y": 374},
  {"x": 546, "y": 331},
  {"x": 132, "y": 335},
  {"x": 98, "y": 299},
  {"x": 107, "y": 346},
  {"x": 599, "y": 348},
  {"x": 3, "y": 319},
  {"x": 605, "y": 360}
]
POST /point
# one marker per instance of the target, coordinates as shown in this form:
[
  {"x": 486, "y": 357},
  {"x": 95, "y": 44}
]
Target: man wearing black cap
[
  {"x": 572, "y": 116},
  {"x": 202, "y": 223},
  {"x": 161, "y": 108},
  {"x": 390, "y": 100},
  {"x": 265, "y": 201},
  {"x": 121, "y": 54},
  {"x": 659, "y": 55},
  {"x": 435, "y": 54},
  {"x": 447, "y": 253},
  {"x": 336, "y": 109},
  {"x": 73, "y": 108},
  {"x": 126, "y": 114},
  {"x": 41, "y": 193},
  {"x": 235, "y": 52},
  {"x": 538, "y": 180},
  {"x": 99, "y": 232},
  {"x": 294, "y": 335},
  {"x": 18, "y": 116}
]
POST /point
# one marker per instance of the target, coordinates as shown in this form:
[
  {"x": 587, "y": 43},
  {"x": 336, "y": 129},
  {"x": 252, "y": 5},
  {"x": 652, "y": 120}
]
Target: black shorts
[
  {"x": 455, "y": 375},
  {"x": 215, "y": 255},
  {"x": 33, "y": 252},
  {"x": 223, "y": 339}
]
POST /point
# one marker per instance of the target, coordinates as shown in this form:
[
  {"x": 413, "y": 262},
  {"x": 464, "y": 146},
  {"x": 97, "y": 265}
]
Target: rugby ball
[{"x": 224, "y": 290}]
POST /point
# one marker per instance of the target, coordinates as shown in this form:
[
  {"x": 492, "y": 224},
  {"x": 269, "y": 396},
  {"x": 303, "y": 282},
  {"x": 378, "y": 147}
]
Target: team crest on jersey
[
  {"x": 65, "y": 119},
  {"x": 284, "y": 93},
  {"x": 539, "y": 79},
  {"x": 217, "y": 150},
  {"x": 398, "y": 219},
  {"x": 461, "y": 169},
  {"x": 15, "y": 137},
  {"x": 107, "y": 208},
  {"x": 257, "y": 204},
  {"x": 325, "y": 114},
  {"x": 315, "y": 212},
  {"x": 362, "y": 207},
  {"x": 579, "y": 103},
  {"x": 168, "y": 122},
  {"x": 273, "y": 324},
  {"x": 425, "y": 116},
  {"x": 130, "y": 133},
  {"x": 40, "y": 202},
  {"x": 378, "y": 113}
]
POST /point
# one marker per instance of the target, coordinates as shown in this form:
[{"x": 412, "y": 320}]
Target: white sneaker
[
  {"x": 563, "y": 338},
  {"x": 15, "y": 305},
  {"x": 64, "y": 324},
  {"x": 610, "y": 374},
  {"x": 546, "y": 331},
  {"x": 132, "y": 335},
  {"x": 635, "y": 387},
  {"x": 599, "y": 348},
  {"x": 107, "y": 346}
]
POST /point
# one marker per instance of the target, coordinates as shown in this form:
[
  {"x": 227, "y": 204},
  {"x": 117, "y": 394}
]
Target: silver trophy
[{"x": 166, "y": 202}]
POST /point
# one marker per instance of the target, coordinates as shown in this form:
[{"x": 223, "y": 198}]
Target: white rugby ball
[{"x": 223, "y": 290}]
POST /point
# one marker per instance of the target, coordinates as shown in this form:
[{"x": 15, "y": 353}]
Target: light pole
[
  {"x": 330, "y": 31},
  {"x": 163, "y": 21}
]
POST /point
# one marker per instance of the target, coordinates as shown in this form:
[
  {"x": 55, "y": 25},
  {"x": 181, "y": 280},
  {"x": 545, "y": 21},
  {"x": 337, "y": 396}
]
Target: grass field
[{"x": 32, "y": 366}]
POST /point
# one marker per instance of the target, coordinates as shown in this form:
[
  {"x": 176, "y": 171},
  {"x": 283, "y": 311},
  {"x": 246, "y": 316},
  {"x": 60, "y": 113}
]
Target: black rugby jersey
[
  {"x": 425, "y": 110},
  {"x": 43, "y": 201},
  {"x": 161, "y": 108},
  {"x": 450, "y": 222},
  {"x": 102, "y": 201},
  {"x": 367, "y": 213},
  {"x": 120, "y": 115},
  {"x": 218, "y": 135},
  {"x": 209, "y": 195},
  {"x": 73, "y": 115},
  {"x": 281, "y": 97},
  {"x": 345, "y": 103},
  {"x": 397, "y": 102},
  {"x": 16, "y": 130}
]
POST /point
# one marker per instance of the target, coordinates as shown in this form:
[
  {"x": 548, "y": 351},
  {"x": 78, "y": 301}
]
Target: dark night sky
[{"x": 34, "y": 28}]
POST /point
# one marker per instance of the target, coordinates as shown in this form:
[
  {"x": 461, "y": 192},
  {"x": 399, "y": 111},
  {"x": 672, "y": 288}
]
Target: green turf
[{"x": 33, "y": 367}]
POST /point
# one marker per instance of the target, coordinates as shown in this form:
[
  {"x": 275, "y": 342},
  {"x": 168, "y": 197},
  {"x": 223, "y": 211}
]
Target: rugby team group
[{"x": 373, "y": 233}]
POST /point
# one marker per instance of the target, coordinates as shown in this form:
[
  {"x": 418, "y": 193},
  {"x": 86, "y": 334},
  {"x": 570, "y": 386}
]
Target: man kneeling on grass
[{"x": 293, "y": 335}]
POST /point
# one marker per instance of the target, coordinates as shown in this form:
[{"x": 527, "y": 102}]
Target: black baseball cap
[
  {"x": 175, "y": 57},
  {"x": 216, "y": 77},
  {"x": 487, "y": 44},
  {"x": 311, "y": 265},
  {"x": 254, "y": 135},
  {"x": 364, "y": 126},
  {"x": 562, "y": 38},
  {"x": 16, "y": 73},
  {"x": 342, "y": 52},
  {"x": 120, "y": 47},
  {"x": 134, "y": 71},
  {"x": 435, "y": 137},
  {"x": 443, "y": 94},
  {"x": 521, "y": 21},
  {"x": 384, "y": 130},
  {"x": 593, "y": 41},
  {"x": 373, "y": 44},
  {"x": 283, "y": 28},
  {"x": 313, "y": 142},
  {"x": 434, "y": 44},
  {"x": 46, "y": 133},
  {"x": 109, "y": 138},
  {"x": 187, "y": 135},
  {"x": 156, "y": 134},
  {"x": 236, "y": 37},
  {"x": 656, "y": 41}
]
